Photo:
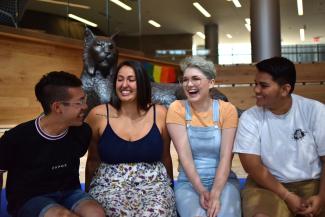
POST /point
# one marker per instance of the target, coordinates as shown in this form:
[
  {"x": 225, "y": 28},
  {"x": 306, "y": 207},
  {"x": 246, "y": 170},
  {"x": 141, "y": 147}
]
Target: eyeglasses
[
  {"x": 195, "y": 80},
  {"x": 80, "y": 102}
]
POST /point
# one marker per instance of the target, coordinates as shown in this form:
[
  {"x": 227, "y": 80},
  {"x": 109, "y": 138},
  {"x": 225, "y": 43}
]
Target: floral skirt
[{"x": 132, "y": 190}]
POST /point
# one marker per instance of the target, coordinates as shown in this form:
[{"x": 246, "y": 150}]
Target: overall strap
[
  {"x": 215, "y": 111},
  {"x": 107, "y": 113},
  {"x": 188, "y": 114},
  {"x": 154, "y": 113}
]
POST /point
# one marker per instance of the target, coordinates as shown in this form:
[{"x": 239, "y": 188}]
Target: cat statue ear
[
  {"x": 88, "y": 36},
  {"x": 114, "y": 35},
  {"x": 89, "y": 62}
]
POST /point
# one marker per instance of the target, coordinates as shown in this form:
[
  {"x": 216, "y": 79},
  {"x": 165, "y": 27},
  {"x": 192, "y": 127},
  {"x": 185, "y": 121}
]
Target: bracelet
[{"x": 286, "y": 195}]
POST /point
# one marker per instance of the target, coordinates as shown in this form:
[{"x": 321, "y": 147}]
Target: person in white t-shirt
[{"x": 281, "y": 145}]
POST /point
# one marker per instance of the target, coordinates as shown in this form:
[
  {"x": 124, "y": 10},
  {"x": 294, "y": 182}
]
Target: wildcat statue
[{"x": 100, "y": 63}]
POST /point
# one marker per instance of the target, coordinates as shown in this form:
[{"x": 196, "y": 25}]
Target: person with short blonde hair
[{"x": 203, "y": 131}]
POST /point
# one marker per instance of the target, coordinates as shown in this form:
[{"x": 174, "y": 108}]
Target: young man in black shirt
[{"x": 42, "y": 156}]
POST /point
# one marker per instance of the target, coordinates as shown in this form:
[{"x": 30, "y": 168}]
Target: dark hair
[
  {"x": 53, "y": 87},
  {"x": 281, "y": 69},
  {"x": 143, "y": 86}
]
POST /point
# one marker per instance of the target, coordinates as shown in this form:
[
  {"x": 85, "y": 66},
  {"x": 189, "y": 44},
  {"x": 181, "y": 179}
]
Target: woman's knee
[
  {"x": 59, "y": 212},
  {"x": 90, "y": 208}
]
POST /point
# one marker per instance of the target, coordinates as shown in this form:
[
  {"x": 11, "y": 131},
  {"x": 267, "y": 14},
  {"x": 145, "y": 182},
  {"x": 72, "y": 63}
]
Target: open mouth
[
  {"x": 259, "y": 97},
  {"x": 125, "y": 92},
  {"x": 193, "y": 92}
]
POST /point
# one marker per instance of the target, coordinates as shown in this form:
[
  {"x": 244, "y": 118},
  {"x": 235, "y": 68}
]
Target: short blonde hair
[{"x": 207, "y": 67}]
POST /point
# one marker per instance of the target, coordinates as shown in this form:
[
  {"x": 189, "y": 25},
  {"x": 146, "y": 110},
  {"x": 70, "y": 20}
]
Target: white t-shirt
[{"x": 290, "y": 145}]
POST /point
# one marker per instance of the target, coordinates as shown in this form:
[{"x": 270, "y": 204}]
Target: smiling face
[
  {"x": 126, "y": 84},
  {"x": 74, "y": 109},
  {"x": 268, "y": 93},
  {"x": 196, "y": 85}
]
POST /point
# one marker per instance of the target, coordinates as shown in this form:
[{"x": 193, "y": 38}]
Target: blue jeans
[
  {"x": 188, "y": 200},
  {"x": 39, "y": 205}
]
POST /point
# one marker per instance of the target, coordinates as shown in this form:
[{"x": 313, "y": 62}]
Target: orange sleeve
[
  {"x": 228, "y": 115},
  {"x": 176, "y": 113}
]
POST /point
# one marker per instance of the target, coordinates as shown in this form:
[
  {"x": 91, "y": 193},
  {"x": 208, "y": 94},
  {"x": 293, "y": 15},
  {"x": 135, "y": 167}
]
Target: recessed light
[
  {"x": 201, "y": 35},
  {"x": 122, "y": 5},
  {"x": 229, "y": 36},
  {"x": 300, "y": 8},
  {"x": 154, "y": 23},
  {"x": 248, "y": 27},
  {"x": 201, "y": 9},
  {"x": 302, "y": 34},
  {"x": 80, "y": 19},
  {"x": 236, "y": 3}
]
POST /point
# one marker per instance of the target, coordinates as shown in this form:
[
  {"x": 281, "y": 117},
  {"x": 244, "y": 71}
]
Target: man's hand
[
  {"x": 314, "y": 206},
  {"x": 295, "y": 203}
]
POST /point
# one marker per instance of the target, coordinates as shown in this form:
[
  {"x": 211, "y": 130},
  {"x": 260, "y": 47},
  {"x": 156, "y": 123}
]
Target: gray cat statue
[{"x": 100, "y": 62}]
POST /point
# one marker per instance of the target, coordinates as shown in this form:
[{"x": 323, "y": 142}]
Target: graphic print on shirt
[{"x": 299, "y": 134}]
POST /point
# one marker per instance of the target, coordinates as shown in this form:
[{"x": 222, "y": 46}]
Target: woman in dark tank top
[{"x": 129, "y": 167}]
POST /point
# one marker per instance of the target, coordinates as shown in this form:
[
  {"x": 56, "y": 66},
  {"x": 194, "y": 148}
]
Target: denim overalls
[{"x": 205, "y": 146}]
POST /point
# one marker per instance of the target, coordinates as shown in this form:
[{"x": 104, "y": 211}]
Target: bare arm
[
  {"x": 93, "y": 159},
  {"x": 178, "y": 134},
  {"x": 166, "y": 158},
  {"x": 222, "y": 173},
  {"x": 260, "y": 174},
  {"x": 92, "y": 163}
]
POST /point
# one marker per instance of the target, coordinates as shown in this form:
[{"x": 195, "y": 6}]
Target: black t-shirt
[{"x": 38, "y": 163}]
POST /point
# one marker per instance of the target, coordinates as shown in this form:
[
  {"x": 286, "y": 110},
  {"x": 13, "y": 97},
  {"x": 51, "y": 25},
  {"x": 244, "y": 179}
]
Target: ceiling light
[
  {"x": 302, "y": 34},
  {"x": 201, "y": 9},
  {"x": 248, "y": 24},
  {"x": 201, "y": 35},
  {"x": 87, "y": 22},
  {"x": 236, "y": 3},
  {"x": 154, "y": 23},
  {"x": 248, "y": 27},
  {"x": 65, "y": 4},
  {"x": 122, "y": 5},
  {"x": 194, "y": 49},
  {"x": 300, "y": 8},
  {"x": 229, "y": 36}
]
